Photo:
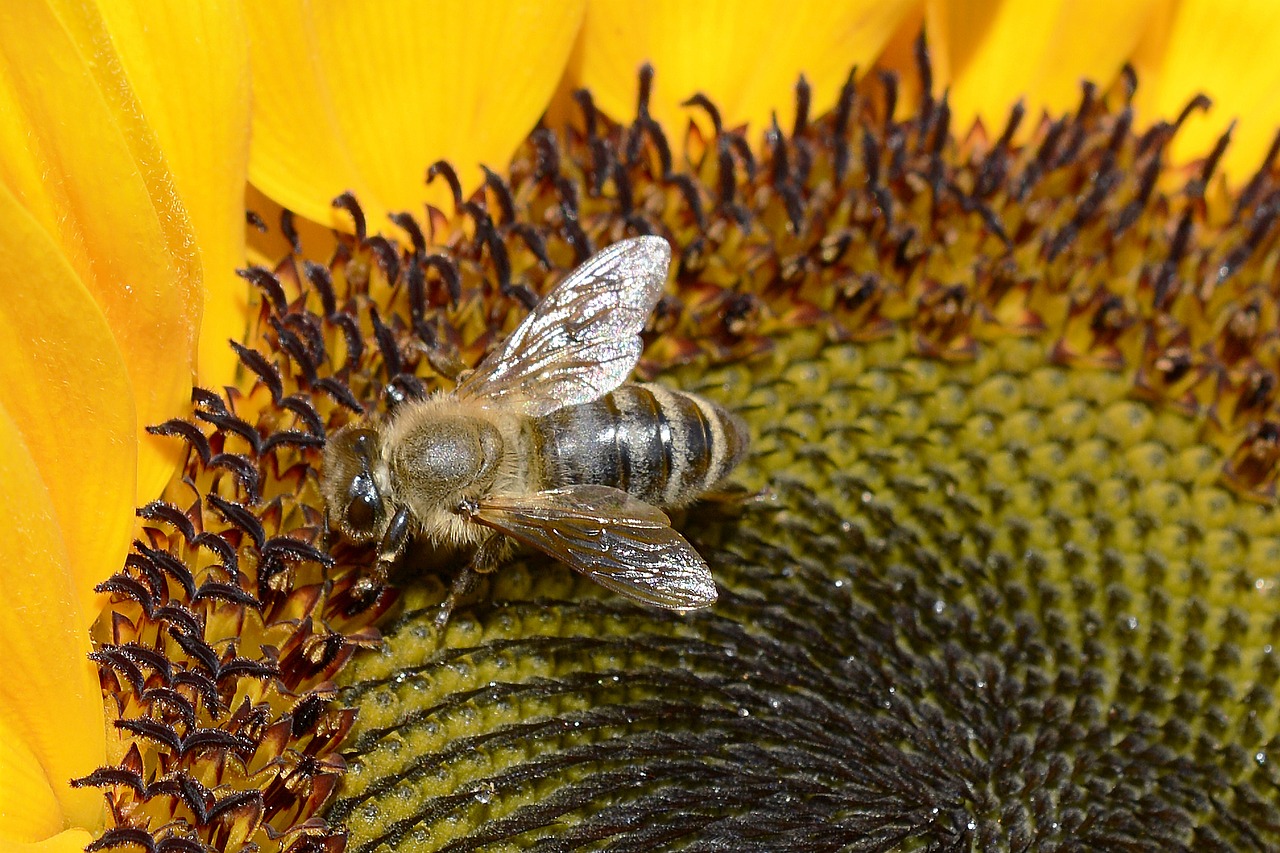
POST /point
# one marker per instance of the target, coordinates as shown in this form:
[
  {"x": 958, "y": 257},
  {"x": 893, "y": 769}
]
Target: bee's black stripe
[
  {"x": 641, "y": 440},
  {"x": 582, "y": 444},
  {"x": 615, "y": 467},
  {"x": 660, "y": 445},
  {"x": 696, "y": 447},
  {"x": 666, "y": 446},
  {"x": 729, "y": 435}
]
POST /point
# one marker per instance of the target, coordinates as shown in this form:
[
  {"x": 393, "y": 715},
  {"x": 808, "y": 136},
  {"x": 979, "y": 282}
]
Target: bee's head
[{"x": 356, "y": 506}]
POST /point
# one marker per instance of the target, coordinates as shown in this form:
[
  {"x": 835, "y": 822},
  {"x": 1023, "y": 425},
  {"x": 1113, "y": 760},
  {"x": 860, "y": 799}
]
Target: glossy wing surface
[
  {"x": 583, "y": 339},
  {"x": 623, "y": 544}
]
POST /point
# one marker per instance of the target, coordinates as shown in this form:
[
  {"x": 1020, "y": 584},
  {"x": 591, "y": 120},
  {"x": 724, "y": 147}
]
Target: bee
[{"x": 546, "y": 445}]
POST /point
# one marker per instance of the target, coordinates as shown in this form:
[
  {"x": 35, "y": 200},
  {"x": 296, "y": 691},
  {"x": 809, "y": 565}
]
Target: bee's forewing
[
  {"x": 583, "y": 339},
  {"x": 623, "y": 544}
]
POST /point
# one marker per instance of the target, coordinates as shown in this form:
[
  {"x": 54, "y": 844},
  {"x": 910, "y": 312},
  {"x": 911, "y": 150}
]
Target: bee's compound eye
[{"x": 365, "y": 508}]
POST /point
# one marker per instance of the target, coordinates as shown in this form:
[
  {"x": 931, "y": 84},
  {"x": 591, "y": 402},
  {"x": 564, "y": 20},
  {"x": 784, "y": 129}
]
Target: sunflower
[{"x": 222, "y": 635}]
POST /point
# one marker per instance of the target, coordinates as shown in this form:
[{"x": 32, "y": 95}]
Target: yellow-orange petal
[
  {"x": 63, "y": 381},
  {"x": 188, "y": 64},
  {"x": 70, "y": 841},
  {"x": 745, "y": 56},
  {"x": 1226, "y": 51},
  {"x": 29, "y": 808},
  {"x": 993, "y": 55},
  {"x": 366, "y": 98},
  {"x": 50, "y": 702},
  {"x": 77, "y": 154}
]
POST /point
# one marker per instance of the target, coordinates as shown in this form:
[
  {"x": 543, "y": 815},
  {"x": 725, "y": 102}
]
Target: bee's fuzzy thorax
[{"x": 437, "y": 517}]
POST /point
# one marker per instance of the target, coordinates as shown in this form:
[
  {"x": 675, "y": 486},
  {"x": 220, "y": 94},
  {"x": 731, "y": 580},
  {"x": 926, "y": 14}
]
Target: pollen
[{"x": 1006, "y": 574}]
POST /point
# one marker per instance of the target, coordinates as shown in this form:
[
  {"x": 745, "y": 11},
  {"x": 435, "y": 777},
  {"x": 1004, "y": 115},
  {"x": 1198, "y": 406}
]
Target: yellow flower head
[{"x": 937, "y": 455}]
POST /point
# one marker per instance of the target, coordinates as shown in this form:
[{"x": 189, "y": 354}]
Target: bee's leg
[
  {"x": 402, "y": 388},
  {"x": 732, "y": 496},
  {"x": 326, "y": 534},
  {"x": 444, "y": 360},
  {"x": 393, "y": 541},
  {"x": 484, "y": 560},
  {"x": 389, "y": 550}
]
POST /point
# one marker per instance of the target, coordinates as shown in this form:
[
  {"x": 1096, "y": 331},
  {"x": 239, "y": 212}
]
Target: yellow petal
[
  {"x": 1226, "y": 51},
  {"x": 50, "y": 702},
  {"x": 365, "y": 100},
  {"x": 29, "y": 808},
  {"x": 71, "y": 841},
  {"x": 188, "y": 64},
  {"x": 993, "y": 55},
  {"x": 63, "y": 381},
  {"x": 86, "y": 166},
  {"x": 745, "y": 56}
]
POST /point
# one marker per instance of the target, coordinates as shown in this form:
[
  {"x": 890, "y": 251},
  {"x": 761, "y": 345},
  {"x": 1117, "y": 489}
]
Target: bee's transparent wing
[
  {"x": 619, "y": 542},
  {"x": 583, "y": 339}
]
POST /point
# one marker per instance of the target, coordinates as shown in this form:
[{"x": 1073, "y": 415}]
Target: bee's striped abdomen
[{"x": 665, "y": 447}]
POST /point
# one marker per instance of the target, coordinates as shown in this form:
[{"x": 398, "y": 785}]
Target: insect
[{"x": 546, "y": 445}]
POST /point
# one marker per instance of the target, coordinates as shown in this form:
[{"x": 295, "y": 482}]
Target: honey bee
[{"x": 545, "y": 445}]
